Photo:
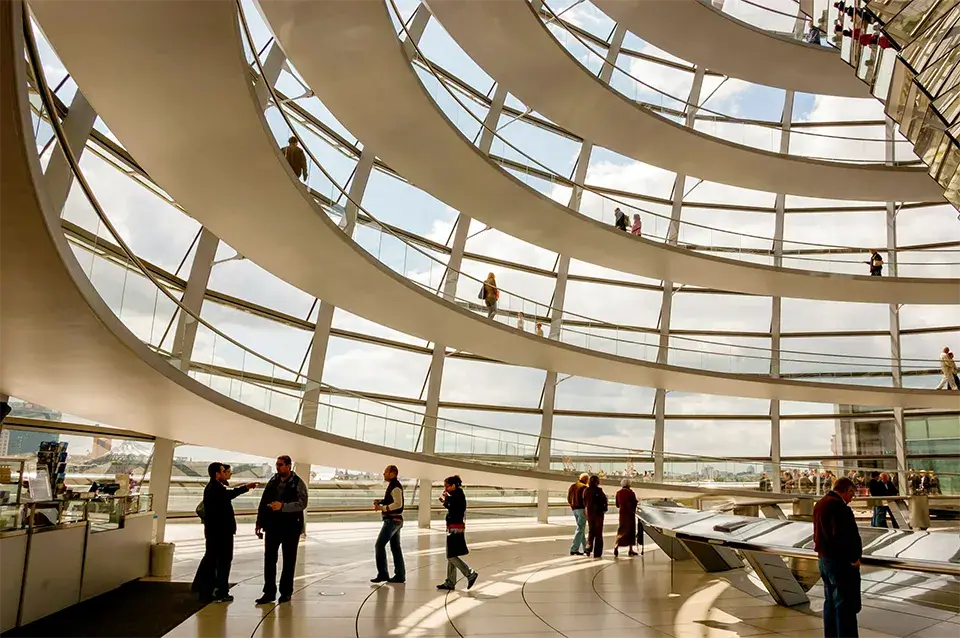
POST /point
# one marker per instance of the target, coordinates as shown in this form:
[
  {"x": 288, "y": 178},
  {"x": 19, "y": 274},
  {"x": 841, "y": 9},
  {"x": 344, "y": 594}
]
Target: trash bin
[
  {"x": 919, "y": 511},
  {"x": 161, "y": 560}
]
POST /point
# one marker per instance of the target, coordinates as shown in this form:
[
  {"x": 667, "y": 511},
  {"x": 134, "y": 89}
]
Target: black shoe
[
  {"x": 472, "y": 578},
  {"x": 396, "y": 580},
  {"x": 265, "y": 599},
  {"x": 576, "y": 553},
  {"x": 284, "y": 599},
  {"x": 616, "y": 551},
  {"x": 445, "y": 586},
  {"x": 379, "y": 579},
  {"x": 226, "y": 598}
]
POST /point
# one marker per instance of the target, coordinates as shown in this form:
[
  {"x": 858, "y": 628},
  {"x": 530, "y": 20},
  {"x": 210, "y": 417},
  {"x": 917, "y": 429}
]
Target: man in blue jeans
[
  {"x": 837, "y": 542},
  {"x": 391, "y": 508},
  {"x": 575, "y": 500}
]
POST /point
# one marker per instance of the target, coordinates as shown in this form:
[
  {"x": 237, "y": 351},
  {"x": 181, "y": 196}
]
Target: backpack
[
  {"x": 600, "y": 501},
  {"x": 201, "y": 512}
]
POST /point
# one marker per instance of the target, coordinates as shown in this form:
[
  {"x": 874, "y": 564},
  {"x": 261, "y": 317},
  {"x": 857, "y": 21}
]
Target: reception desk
[{"x": 46, "y": 569}]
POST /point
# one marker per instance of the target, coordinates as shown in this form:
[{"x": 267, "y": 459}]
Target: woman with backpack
[
  {"x": 490, "y": 295},
  {"x": 455, "y": 501},
  {"x": 620, "y": 220},
  {"x": 595, "y": 502}
]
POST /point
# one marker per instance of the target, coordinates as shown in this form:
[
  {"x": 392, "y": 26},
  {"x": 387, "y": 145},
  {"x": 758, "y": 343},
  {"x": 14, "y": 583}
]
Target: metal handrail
[{"x": 428, "y": 65}]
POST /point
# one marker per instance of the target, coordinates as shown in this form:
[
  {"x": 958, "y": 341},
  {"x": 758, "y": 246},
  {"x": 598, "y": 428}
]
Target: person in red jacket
[{"x": 837, "y": 543}]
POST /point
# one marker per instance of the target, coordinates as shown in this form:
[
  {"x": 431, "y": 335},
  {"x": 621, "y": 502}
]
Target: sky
[{"x": 163, "y": 235}]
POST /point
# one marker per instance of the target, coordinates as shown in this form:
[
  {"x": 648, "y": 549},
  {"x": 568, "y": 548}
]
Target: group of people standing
[
  {"x": 881, "y": 485},
  {"x": 280, "y": 523},
  {"x": 589, "y": 505},
  {"x": 620, "y": 223}
]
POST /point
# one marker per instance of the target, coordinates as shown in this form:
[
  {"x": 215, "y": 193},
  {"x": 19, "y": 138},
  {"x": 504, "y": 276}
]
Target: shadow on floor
[{"x": 141, "y": 609}]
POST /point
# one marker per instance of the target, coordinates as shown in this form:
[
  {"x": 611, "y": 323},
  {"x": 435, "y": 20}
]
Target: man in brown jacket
[
  {"x": 575, "y": 500},
  {"x": 296, "y": 157},
  {"x": 836, "y": 539}
]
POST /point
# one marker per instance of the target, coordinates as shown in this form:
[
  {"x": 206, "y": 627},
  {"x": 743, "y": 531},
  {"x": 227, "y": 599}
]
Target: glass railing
[
  {"x": 807, "y": 144},
  {"x": 780, "y": 17},
  {"x": 127, "y": 286},
  {"x": 429, "y": 270},
  {"x": 655, "y": 225}
]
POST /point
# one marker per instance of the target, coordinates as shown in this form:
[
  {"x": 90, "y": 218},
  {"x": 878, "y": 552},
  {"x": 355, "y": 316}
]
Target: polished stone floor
[{"x": 529, "y": 586}]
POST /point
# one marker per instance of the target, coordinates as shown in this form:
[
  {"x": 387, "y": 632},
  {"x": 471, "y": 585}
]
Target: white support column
[
  {"x": 545, "y": 442},
  {"x": 666, "y": 303},
  {"x": 785, "y": 121},
  {"x": 77, "y": 126},
  {"x": 192, "y": 300},
  {"x": 896, "y": 370},
  {"x": 272, "y": 67},
  {"x": 451, "y": 277},
  {"x": 415, "y": 30},
  {"x": 435, "y": 373},
  {"x": 161, "y": 469},
  {"x": 321, "y": 330}
]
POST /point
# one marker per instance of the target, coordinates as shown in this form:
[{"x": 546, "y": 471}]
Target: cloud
[{"x": 163, "y": 234}]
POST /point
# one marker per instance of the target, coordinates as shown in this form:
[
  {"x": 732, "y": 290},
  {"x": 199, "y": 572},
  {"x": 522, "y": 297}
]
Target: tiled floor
[{"x": 529, "y": 586}]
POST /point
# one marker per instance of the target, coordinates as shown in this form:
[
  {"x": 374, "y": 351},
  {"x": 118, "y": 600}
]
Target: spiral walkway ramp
[
  {"x": 511, "y": 43},
  {"x": 364, "y": 77},
  {"x": 690, "y": 30},
  {"x": 799, "y": 371},
  {"x": 242, "y": 176},
  {"x": 64, "y": 346}
]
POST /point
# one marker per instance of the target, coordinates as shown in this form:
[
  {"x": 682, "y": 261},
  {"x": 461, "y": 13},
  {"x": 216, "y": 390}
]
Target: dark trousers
[
  {"x": 880, "y": 513},
  {"x": 287, "y": 540},
  {"x": 879, "y": 516},
  {"x": 595, "y": 534},
  {"x": 390, "y": 533},
  {"x": 212, "y": 579},
  {"x": 841, "y": 593}
]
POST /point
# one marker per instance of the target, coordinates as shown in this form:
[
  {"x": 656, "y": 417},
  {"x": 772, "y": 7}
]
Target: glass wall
[{"x": 595, "y": 421}]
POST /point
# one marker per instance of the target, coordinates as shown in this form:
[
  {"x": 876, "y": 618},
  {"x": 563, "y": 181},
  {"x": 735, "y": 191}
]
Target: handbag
[{"x": 456, "y": 541}]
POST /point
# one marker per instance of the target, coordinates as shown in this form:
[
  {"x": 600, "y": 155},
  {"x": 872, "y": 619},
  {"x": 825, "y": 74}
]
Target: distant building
[
  {"x": 101, "y": 447},
  {"x": 23, "y": 442},
  {"x": 14, "y": 442},
  {"x": 26, "y": 410},
  {"x": 865, "y": 433}
]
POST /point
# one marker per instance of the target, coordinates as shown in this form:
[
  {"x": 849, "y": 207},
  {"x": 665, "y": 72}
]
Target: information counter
[{"x": 50, "y": 567}]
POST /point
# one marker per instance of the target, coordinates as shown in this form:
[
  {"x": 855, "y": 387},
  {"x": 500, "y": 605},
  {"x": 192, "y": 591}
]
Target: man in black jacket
[
  {"x": 212, "y": 580},
  {"x": 877, "y": 488},
  {"x": 837, "y": 542},
  {"x": 280, "y": 516},
  {"x": 391, "y": 510}
]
